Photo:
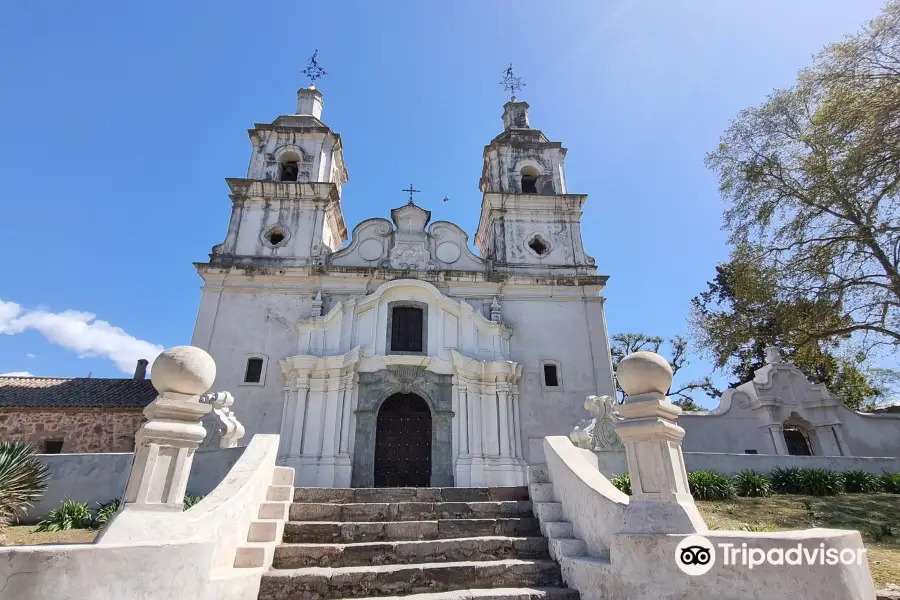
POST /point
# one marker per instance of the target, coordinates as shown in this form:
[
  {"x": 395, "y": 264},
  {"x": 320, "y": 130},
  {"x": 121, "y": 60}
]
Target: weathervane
[
  {"x": 411, "y": 191},
  {"x": 510, "y": 82},
  {"x": 314, "y": 71}
]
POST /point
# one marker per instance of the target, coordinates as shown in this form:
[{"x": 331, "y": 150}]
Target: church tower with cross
[{"x": 397, "y": 356}]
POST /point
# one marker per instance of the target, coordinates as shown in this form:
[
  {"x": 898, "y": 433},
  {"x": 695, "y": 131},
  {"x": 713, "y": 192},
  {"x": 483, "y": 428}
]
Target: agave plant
[
  {"x": 105, "y": 512},
  {"x": 69, "y": 515},
  {"x": 23, "y": 479},
  {"x": 711, "y": 485},
  {"x": 752, "y": 484}
]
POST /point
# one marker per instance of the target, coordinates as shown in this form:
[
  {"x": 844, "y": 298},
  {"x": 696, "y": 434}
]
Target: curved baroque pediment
[{"x": 406, "y": 245}]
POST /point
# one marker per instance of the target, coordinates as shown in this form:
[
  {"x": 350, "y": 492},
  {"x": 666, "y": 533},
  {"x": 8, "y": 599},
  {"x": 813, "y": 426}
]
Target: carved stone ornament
[
  {"x": 228, "y": 430},
  {"x": 599, "y": 434}
]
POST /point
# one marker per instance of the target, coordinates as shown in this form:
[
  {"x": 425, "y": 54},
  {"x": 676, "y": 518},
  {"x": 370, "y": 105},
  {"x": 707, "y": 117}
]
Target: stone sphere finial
[
  {"x": 643, "y": 373},
  {"x": 183, "y": 370}
]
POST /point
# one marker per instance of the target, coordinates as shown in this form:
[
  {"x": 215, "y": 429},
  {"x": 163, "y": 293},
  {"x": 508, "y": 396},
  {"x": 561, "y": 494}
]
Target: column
[
  {"x": 454, "y": 423},
  {"x": 490, "y": 440},
  {"x": 464, "y": 426},
  {"x": 344, "y": 447},
  {"x": 301, "y": 392},
  {"x": 475, "y": 421},
  {"x": 331, "y": 422},
  {"x": 517, "y": 421},
  {"x": 503, "y": 425},
  {"x": 776, "y": 435},
  {"x": 312, "y": 433},
  {"x": 287, "y": 419}
]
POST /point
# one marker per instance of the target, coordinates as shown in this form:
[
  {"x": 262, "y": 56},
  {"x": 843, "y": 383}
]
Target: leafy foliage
[
  {"x": 857, "y": 481},
  {"x": 752, "y": 484},
  {"x": 622, "y": 482},
  {"x": 812, "y": 181},
  {"x": 23, "y": 480},
  {"x": 785, "y": 480},
  {"x": 710, "y": 485},
  {"x": 191, "y": 499},
  {"x": 741, "y": 313},
  {"x": 69, "y": 515},
  {"x": 682, "y": 393},
  {"x": 105, "y": 512},
  {"x": 820, "y": 482},
  {"x": 891, "y": 482}
]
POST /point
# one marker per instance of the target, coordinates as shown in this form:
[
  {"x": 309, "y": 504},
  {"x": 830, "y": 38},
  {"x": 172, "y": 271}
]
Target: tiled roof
[{"x": 76, "y": 392}]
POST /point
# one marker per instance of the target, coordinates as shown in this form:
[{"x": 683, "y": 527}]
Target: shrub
[
  {"x": 191, "y": 499},
  {"x": 757, "y": 527},
  {"x": 891, "y": 482},
  {"x": 752, "y": 484},
  {"x": 69, "y": 515},
  {"x": 857, "y": 481},
  {"x": 880, "y": 533},
  {"x": 820, "y": 482},
  {"x": 105, "y": 512},
  {"x": 622, "y": 482},
  {"x": 785, "y": 480},
  {"x": 710, "y": 485},
  {"x": 23, "y": 479}
]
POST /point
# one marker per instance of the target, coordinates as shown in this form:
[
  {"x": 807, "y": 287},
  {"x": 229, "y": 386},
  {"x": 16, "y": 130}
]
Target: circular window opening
[
  {"x": 276, "y": 237},
  {"x": 539, "y": 245}
]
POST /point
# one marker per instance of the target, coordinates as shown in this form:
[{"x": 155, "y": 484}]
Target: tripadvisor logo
[{"x": 696, "y": 555}]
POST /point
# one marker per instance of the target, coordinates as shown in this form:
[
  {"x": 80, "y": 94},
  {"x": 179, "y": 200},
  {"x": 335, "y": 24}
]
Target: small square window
[
  {"x": 551, "y": 378},
  {"x": 53, "y": 447},
  {"x": 253, "y": 374}
]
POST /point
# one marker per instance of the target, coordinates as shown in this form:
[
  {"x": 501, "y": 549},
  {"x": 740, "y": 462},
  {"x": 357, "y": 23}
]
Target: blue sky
[{"x": 122, "y": 119}]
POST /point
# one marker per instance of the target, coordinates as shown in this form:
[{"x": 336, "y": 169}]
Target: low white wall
[
  {"x": 589, "y": 501},
  {"x": 643, "y": 566},
  {"x": 614, "y": 463},
  {"x": 144, "y": 555},
  {"x": 100, "y": 477}
]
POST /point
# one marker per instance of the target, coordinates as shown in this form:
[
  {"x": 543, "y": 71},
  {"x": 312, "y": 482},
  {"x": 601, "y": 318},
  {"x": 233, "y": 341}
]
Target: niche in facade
[{"x": 539, "y": 245}]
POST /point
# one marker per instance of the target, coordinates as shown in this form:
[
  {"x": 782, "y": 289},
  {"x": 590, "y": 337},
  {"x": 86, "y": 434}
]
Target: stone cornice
[{"x": 239, "y": 270}]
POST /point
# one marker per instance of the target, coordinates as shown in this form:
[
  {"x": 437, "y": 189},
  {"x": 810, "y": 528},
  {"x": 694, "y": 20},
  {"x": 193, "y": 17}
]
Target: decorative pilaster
[
  {"x": 503, "y": 412},
  {"x": 517, "y": 421},
  {"x": 661, "y": 501},
  {"x": 165, "y": 444},
  {"x": 288, "y": 413}
]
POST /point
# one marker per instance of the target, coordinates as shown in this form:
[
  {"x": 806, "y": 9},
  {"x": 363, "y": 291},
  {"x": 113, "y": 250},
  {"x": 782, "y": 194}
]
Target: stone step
[
  {"x": 325, "y": 532},
  {"x": 407, "y": 511},
  {"x": 533, "y": 593},
  {"x": 317, "y": 583},
  {"x": 295, "y": 556},
  {"x": 382, "y": 495},
  {"x": 538, "y": 474}
]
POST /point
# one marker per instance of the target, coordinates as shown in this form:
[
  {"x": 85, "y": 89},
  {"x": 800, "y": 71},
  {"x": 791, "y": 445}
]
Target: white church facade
[{"x": 403, "y": 358}]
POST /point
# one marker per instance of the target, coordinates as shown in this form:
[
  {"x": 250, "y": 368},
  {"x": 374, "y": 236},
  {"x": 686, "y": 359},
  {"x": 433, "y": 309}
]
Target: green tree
[
  {"x": 681, "y": 393},
  {"x": 812, "y": 183},
  {"x": 740, "y": 314}
]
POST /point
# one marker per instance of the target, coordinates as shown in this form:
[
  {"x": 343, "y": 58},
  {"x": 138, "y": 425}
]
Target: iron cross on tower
[
  {"x": 511, "y": 83},
  {"x": 411, "y": 191},
  {"x": 313, "y": 70}
]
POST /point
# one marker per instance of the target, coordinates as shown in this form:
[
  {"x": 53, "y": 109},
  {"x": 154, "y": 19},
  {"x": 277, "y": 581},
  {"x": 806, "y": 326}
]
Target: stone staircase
[{"x": 434, "y": 543}]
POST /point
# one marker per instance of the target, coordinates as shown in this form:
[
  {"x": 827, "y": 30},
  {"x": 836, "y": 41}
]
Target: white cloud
[
  {"x": 80, "y": 332},
  {"x": 17, "y": 374},
  {"x": 29, "y": 355}
]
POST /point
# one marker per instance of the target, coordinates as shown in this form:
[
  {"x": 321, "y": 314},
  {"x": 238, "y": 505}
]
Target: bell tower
[
  {"x": 529, "y": 222},
  {"x": 287, "y": 211}
]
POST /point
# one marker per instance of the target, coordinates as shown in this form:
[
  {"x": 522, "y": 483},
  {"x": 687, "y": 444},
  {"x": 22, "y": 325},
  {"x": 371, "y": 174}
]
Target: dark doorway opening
[
  {"x": 403, "y": 443},
  {"x": 797, "y": 442}
]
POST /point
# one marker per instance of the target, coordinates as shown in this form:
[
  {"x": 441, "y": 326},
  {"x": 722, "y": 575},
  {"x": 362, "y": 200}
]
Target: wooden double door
[{"x": 403, "y": 442}]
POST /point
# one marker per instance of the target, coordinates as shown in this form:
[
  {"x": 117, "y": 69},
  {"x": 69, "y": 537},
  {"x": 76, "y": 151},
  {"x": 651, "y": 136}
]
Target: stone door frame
[{"x": 374, "y": 388}]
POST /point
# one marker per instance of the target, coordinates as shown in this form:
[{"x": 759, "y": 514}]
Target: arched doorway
[{"x": 403, "y": 442}]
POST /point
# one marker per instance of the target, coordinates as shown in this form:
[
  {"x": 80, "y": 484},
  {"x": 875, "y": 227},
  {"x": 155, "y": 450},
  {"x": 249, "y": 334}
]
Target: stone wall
[{"x": 81, "y": 430}]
